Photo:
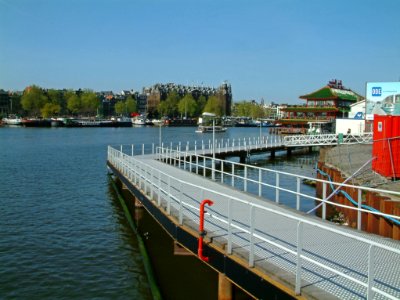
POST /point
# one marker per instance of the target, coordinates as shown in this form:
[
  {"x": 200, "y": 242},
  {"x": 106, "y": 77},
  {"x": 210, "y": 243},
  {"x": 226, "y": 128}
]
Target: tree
[
  {"x": 120, "y": 107},
  {"x": 213, "y": 105},
  {"x": 74, "y": 103},
  {"x": 90, "y": 102},
  {"x": 57, "y": 97},
  {"x": 187, "y": 106},
  {"x": 201, "y": 103},
  {"x": 257, "y": 111},
  {"x": 170, "y": 105},
  {"x": 243, "y": 109},
  {"x": 131, "y": 105},
  {"x": 50, "y": 109},
  {"x": 33, "y": 100}
]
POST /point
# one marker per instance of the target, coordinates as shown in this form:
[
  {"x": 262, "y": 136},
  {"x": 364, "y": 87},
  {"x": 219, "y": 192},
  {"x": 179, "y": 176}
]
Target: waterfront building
[
  {"x": 323, "y": 105},
  {"x": 4, "y": 102},
  {"x": 159, "y": 92}
]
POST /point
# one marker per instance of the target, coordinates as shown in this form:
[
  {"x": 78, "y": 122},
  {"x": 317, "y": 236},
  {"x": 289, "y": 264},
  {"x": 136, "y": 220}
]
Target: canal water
[{"x": 63, "y": 233}]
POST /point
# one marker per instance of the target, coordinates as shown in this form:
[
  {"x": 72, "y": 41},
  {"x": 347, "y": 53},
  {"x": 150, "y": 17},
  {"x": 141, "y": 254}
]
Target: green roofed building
[{"x": 324, "y": 105}]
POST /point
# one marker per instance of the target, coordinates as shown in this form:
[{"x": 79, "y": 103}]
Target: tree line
[{"x": 36, "y": 101}]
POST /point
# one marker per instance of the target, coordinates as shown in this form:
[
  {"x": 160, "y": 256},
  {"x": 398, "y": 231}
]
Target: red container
[{"x": 386, "y": 146}]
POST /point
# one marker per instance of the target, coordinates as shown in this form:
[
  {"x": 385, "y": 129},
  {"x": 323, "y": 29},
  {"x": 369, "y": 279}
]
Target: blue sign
[
  {"x": 376, "y": 91},
  {"x": 359, "y": 116}
]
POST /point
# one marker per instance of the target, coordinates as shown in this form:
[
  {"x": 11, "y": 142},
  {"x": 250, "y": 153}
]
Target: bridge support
[
  {"x": 272, "y": 153},
  {"x": 289, "y": 152},
  {"x": 224, "y": 288},
  {"x": 243, "y": 159}
]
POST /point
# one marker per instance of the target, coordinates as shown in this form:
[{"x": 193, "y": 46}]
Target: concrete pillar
[
  {"x": 243, "y": 159},
  {"x": 224, "y": 288},
  {"x": 272, "y": 153},
  {"x": 289, "y": 152}
]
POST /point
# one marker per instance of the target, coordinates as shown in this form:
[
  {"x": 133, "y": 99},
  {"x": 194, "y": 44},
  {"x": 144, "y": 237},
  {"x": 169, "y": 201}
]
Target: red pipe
[{"x": 202, "y": 233}]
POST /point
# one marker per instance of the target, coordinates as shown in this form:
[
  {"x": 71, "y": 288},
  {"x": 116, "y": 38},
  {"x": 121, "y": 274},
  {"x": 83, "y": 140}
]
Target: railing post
[
  {"x": 277, "y": 188},
  {"x": 142, "y": 149},
  {"x": 121, "y": 149},
  {"x": 259, "y": 182},
  {"x": 222, "y": 171},
  {"x": 204, "y": 166},
  {"x": 180, "y": 204},
  {"x": 197, "y": 165},
  {"x": 298, "y": 193},
  {"x": 359, "y": 219},
  {"x": 299, "y": 252},
  {"x": 230, "y": 203},
  {"x": 159, "y": 188},
  {"x": 370, "y": 293},
  {"x": 245, "y": 179},
  {"x": 251, "y": 254},
  {"x": 169, "y": 196},
  {"x": 323, "y": 201},
  {"x": 133, "y": 148},
  {"x": 233, "y": 174}
]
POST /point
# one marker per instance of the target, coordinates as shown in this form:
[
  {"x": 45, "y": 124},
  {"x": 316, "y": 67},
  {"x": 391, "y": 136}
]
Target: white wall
[{"x": 355, "y": 126}]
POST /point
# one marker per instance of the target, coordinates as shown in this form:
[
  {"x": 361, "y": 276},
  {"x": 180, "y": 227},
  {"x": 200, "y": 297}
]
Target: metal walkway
[
  {"x": 325, "y": 139},
  {"x": 306, "y": 255}
]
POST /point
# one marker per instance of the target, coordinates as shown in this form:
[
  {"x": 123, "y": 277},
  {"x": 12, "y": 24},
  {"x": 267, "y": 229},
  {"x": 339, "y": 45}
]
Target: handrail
[
  {"x": 145, "y": 172},
  {"x": 164, "y": 154}
]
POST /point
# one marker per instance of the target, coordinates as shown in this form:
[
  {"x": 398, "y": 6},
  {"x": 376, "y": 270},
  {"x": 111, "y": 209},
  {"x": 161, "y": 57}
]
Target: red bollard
[{"x": 202, "y": 233}]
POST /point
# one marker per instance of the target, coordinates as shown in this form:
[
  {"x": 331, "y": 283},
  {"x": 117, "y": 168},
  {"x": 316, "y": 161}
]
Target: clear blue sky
[{"x": 271, "y": 49}]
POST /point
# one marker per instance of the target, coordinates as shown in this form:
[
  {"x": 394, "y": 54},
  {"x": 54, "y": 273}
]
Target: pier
[{"x": 252, "y": 241}]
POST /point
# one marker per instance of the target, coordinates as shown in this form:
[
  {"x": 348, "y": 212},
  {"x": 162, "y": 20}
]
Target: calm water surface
[{"x": 62, "y": 232}]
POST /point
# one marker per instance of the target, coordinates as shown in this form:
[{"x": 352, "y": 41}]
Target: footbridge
[
  {"x": 326, "y": 139},
  {"x": 255, "y": 241}
]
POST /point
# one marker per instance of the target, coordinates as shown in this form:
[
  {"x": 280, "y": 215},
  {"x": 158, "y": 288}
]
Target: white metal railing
[
  {"x": 326, "y": 139},
  {"x": 237, "y": 218},
  {"x": 206, "y": 146},
  {"x": 227, "y": 173}
]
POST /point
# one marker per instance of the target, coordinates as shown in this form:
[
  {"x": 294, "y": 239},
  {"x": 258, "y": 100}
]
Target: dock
[{"x": 252, "y": 241}]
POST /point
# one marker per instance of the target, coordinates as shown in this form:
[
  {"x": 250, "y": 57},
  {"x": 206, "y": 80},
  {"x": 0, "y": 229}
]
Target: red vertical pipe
[{"x": 202, "y": 233}]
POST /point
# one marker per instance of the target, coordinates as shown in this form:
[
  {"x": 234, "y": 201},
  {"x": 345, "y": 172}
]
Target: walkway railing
[
  {"x": 251, "y": 227},
  {"x": 326, "y": 139},
  {"x": 262, "y": 180},
  {"x": 206, "y": 146}
]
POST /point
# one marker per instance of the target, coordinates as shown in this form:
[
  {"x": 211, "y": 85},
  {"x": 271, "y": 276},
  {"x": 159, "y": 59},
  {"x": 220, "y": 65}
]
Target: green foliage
[
  {"x": 90, "y": 102},
  {"x": 50, "y": 109},
  {"x": 248, "y": 109},
  {"x": 33, "y": 100},
  {"x": 169, "y": 107},
  {"x": 74, "y": 103},
  {"x": 120, "y": 107},
  {"x": 131, "y": 105},
  {"x": 187, "y": 106},
  {"x": 213, "y": 105},
  {"x": 201, "y": 103}
]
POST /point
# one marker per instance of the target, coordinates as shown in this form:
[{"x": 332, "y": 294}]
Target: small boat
[
  {"x": 210, "y": 123},
  {"x": 12, "y": 120},
  {"x": 205, "y": 129},
  {"x": 139, "y": 121}
]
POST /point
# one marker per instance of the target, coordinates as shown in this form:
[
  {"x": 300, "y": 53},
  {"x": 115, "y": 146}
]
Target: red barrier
[
  {"x": 386, "y": 146},
  {"x": 202, "y": 233}
]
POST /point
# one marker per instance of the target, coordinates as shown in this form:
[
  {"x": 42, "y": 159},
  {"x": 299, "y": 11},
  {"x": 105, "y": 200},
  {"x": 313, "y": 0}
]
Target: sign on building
[{"x": 382, "y": 98}]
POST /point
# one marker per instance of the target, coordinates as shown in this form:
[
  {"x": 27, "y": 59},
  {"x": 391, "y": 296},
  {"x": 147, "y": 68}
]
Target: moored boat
[
  {"x": 33, "y": 122},
  {"x": 12, "y": 120}
]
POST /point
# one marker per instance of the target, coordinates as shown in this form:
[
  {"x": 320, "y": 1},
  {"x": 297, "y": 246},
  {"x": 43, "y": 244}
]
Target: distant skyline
[{"x": 275, "y": 49}]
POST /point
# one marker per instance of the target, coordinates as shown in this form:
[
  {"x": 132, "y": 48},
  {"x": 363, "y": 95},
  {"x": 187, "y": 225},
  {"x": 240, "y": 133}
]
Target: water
[{"x": 62, "y": 232}]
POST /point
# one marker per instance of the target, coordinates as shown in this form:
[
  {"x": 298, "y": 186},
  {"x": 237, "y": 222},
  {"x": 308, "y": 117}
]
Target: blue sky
[{"x": 271, "y": 49}]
